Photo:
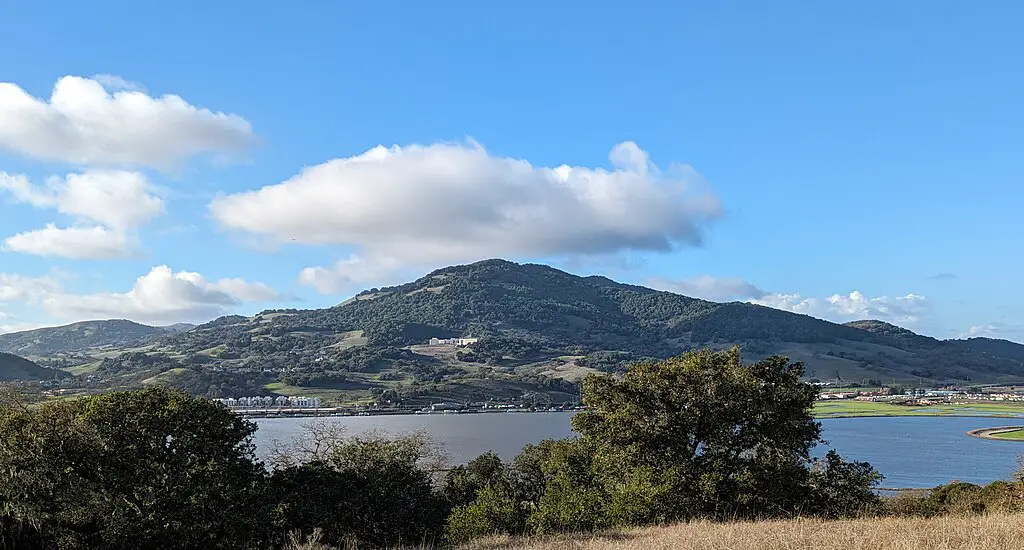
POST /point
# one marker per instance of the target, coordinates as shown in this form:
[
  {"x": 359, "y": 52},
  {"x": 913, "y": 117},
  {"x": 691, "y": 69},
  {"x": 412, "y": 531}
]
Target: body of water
[{"x": 909, "y": 451}]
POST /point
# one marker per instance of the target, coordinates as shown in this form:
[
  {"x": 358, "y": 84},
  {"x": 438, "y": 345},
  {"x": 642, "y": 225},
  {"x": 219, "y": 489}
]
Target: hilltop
[
  {"x": 83, "y": 336},
  {"x": 540, "y": 330}
]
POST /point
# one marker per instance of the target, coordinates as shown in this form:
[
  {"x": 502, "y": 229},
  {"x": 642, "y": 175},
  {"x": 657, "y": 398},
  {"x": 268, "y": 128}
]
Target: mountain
[
  {"x": 79, "y": 337},
  {"x": 534, "y": 312},
  {"x": 539, "y": 331},
  {"x": 13, "y": 367}
]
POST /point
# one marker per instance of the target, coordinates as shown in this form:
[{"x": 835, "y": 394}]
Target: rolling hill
[
  {"x": 78, "y": 337},
  {"x": 539, "y": 329},
  {"x": 545, "y": 312},
  {"x": 13, "y": 368}
]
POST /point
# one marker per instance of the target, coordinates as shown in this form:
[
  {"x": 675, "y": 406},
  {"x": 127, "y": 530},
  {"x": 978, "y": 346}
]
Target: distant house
[
  {"x": 446, "y": 407},
  {"x": 452, "y": 341}
]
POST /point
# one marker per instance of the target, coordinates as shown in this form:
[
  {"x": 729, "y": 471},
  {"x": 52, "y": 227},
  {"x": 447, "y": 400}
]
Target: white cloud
[
  {"x": 119, "y": 201},
  {"x": 19, "y": 327},
  {"x": 854, "y": 306},
  {"x": 344, "y": 274},
  {"x": 426, "y": 205},
  {"x": 108, "y": 121},
  {"x": 245, "y": 291},
  {"x": 114, "y": 198},
  {"x": 709, "y": 288},
  {"x": 20, "y": 287},
  {"x": 72, "y": 242},
  {"x": 113, "y": 83},
  {"x": 162, "y": 296},
  {"x": 996, "y": 329}
]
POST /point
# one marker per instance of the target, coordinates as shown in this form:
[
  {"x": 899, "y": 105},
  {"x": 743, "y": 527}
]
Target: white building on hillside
[{"x": 453, "y": 341}]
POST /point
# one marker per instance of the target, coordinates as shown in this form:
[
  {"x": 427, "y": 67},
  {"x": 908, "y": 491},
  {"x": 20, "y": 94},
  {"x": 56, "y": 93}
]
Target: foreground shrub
[
  {"x": 493, "y": 512},
  {"x": 956, "y": 498},
  {"x": 966, "y": 498},
  {"x": 463, "y": 483},
  {"x": 842, "y": 489},
  {"x": 144, "y": 469},
  {"x": 367, "y": 491}
]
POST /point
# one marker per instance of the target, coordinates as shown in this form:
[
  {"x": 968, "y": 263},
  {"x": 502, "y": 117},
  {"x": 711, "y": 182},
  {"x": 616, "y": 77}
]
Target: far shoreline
[
  {"x": 993, "y": 433},
  {"x": 261, "y": 416}
]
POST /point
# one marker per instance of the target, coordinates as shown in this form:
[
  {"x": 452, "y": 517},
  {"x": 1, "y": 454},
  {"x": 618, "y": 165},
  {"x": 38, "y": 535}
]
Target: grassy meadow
[
  {"x": 1015, "y": 435},
  {"x": 852, "y": 408},
  {"x": 987, "y": 532}
]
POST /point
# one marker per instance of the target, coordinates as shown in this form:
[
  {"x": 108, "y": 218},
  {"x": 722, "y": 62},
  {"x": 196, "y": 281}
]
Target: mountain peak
[{"x": 880, "y": 327}]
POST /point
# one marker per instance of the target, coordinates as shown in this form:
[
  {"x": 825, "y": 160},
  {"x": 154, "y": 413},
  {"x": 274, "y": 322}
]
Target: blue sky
[{"x": 843, "y": 161}]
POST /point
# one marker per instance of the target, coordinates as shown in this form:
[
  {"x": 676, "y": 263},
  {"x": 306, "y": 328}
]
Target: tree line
[{"x": 697, "y": 436}]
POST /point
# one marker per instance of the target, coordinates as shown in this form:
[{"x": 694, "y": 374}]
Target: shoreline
[
  {"x": 333, "y": 414},
  {"x": 257, "y": 414},
  {"x": 925, "y": 415},
  {"x": 992, "y": 433}
]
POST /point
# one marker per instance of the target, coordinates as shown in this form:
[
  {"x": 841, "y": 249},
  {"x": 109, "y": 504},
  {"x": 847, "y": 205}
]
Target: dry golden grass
[{"x": 990, "y": 532}]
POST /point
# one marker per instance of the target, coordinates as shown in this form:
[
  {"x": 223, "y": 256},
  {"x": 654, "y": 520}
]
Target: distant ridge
[{"x": 76, "y": 337}]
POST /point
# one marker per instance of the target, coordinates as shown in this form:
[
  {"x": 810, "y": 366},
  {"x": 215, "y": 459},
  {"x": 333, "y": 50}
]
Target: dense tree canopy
[
  {"x": 697, "y": 436},
  {"x": 145, "y": 469},
  {"x": 706, "y": 428}
]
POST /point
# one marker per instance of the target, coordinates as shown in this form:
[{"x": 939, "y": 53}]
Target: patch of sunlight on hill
[{"x": 165, "y": 377}]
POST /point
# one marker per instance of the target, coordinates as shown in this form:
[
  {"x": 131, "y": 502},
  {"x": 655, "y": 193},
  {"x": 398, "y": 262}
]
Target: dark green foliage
[
  {"x": 712, "y": 436},
  {"x": 492, "y": 512},
  {"x": 957, "y": 498},
  {"x": 369, "y": 490},
  {"x": 462, "y": 483},
  {"x": 206, "y": 382},
  {"x": 842, "y": 489},
  {"x": 532, "y": 468},
  {"x": 13, "y": 367},
  {"x": 332, "y": 379},
  {"x": 370, "y": 359},
  {"x": 573, "y": 498},
  {"x": 145, "y": 469},
  {"x": 697, "y": 436},
  {"x": 486, "y": 499},
  {"x": 495, "y": 349}
]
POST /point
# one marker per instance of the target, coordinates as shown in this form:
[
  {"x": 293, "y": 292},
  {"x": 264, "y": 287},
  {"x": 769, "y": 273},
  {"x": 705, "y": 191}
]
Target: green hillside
[
  {"x": 14, "y": 368},
  {"x": 86, "y": 335},
  {"x": 540, "y": 329},
  {"x": 537, "y": 311}
]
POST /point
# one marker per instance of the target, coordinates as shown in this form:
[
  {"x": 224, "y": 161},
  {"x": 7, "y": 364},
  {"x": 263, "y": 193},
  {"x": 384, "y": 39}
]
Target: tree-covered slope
[
  {"x": 13, "y": 368},
  {"x": 548, "y": 309}
]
